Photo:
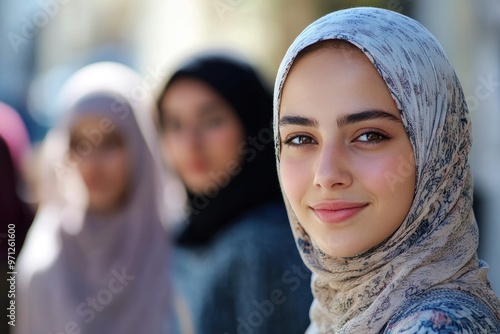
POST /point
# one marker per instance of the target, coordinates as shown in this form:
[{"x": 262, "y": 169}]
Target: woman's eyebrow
[
  {"x": 298, "y": 120},
  {"x": 209, "y": 108},
  {"x": 342, "y": 120},
  {"x": 365, "y": 116}
]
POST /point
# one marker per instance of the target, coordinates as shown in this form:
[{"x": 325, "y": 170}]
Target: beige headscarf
[
  {"x": 435, "y": 247},
  {"x": 100, "y": 274}
]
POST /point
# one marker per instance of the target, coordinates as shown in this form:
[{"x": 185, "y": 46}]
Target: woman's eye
[
  {"x": 213, "y": 122},
  {"x": 172, "y": 125},
  {"x": 73, "y": 144},
  {"x": 299, "y": 140},
  {"x": 372, "y": 137},
  {"x": 111, "y": 142}
]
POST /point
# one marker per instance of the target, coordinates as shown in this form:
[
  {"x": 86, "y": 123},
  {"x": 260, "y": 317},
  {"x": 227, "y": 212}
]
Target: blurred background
[{"x": 44, "y": 41}]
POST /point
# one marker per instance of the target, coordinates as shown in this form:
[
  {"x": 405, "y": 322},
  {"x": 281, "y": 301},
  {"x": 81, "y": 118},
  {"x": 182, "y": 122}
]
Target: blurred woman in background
[
  {"x": 16, "y": 215},
  {"x": 13, "y": 210},
  {"x": 235, "y": 267},
  {"x": 16, "y": 151},
  {"x": 96, "y": 256}
]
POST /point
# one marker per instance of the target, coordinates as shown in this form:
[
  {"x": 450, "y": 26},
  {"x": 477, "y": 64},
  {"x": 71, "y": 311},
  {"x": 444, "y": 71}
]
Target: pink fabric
[{"x": 13, "y": 131}]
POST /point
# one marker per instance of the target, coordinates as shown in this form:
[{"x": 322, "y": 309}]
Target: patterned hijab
[
  {"x": 435, "y": 246},
  {"x": 74, "y": 256}
]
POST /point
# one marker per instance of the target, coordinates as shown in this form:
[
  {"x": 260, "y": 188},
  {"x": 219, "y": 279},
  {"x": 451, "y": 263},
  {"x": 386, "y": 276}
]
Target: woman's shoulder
[
  {"x": 444, "y": 311},
  {"x": 43, "y": 235},
  {"x": 263, "y": 232},
  {"x": 272, "y": 211},
  {"x": 260, "y": 224}
]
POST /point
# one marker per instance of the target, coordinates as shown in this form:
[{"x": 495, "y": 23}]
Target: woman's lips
[
  {"x": 94, "y": 183},
  {"x": 337, "y": 211},
  {"x": 197, "y": 167}
]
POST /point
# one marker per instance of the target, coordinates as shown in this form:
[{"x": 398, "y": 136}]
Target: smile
[{"x": 337, "y": 212}]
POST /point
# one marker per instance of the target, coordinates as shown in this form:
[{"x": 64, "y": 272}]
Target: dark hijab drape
[
  {"x": 257, "y": 183},
  {"x": 12, "y": 209}
]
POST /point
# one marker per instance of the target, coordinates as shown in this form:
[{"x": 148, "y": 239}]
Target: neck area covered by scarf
[{"x": 435, "y": 246}]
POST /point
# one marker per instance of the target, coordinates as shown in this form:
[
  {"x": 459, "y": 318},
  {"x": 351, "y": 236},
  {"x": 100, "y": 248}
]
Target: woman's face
[
  {"x": 202, "y": 135},
  {"x": 346, "y": 162},
  {"x": 103, "y": 162}
]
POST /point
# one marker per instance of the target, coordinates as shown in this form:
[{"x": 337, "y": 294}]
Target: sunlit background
[{"x": 43, "y": 42}]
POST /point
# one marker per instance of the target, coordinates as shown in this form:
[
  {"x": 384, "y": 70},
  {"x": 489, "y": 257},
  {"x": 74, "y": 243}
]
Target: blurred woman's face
[
  {"x": 202, "y": 134},
  {"x": 346, "y": 162},
  {"x": 103, "y": 162}
]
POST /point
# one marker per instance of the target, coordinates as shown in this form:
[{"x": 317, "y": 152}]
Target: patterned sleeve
[{"x": 444, "y": 311}]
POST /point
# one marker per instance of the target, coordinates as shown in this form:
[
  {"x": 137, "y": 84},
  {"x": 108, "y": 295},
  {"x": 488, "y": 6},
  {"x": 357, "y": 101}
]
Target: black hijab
[{"x": 257, "y": 183}]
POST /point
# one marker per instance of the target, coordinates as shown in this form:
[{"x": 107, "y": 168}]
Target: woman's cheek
[
  {"x": 118, "y": 170},
  {"x": 221, "y": 147},
  {"x": 177, "y": 152},
  {"x": 388, "y": 174},
  {"x": 294, "y": 179}
]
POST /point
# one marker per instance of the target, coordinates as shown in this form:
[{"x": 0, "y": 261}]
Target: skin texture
[
  {"x": 103, "y": 163},
  {"x": 326, "y": 159},
  {"x": 202, "y": 134}
]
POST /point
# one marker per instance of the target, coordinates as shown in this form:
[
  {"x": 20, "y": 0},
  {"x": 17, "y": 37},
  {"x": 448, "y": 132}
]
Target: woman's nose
[
  {"x": 332, "y": 168},
  {"x": 191, "y": 137}
]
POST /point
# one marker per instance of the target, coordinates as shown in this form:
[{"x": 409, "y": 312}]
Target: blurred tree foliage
[
  {"x": 290, "y": 17},
  {"x": 327, "y": 6}
]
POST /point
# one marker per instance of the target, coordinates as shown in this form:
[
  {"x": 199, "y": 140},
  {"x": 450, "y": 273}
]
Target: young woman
[
  {"x": 96, "y": 257},
  {"x": 373, "y": 136},
  {"x": 236, "y": 269}
]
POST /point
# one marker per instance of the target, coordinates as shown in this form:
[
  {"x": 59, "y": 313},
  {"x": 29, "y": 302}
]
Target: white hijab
[
  {"x": 435, "y": 247},
  {"x": 72, "y": 255}
]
